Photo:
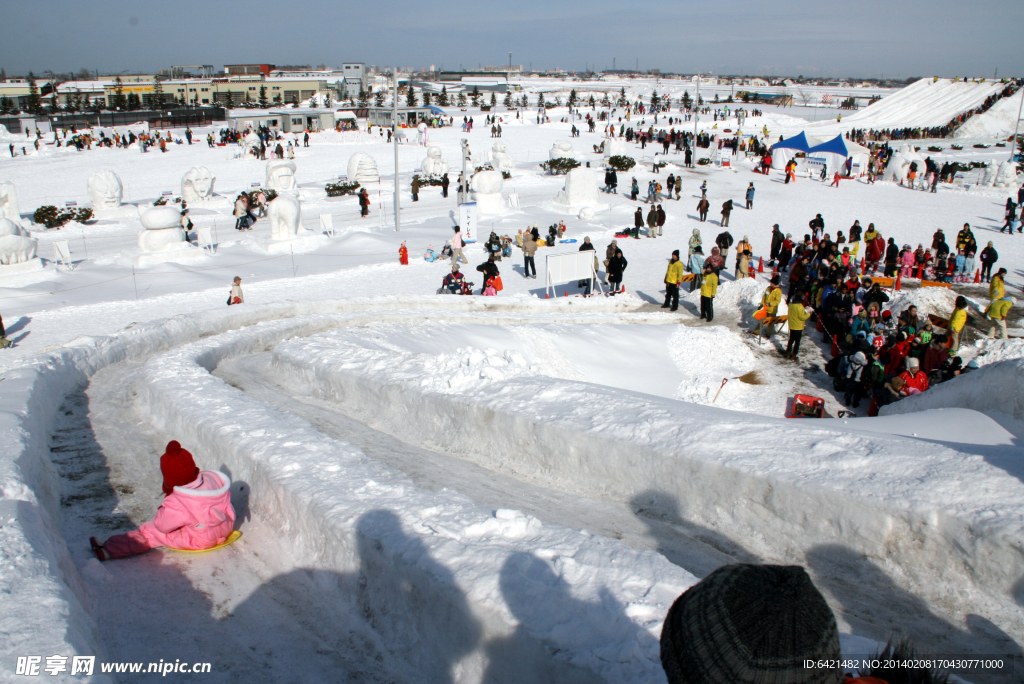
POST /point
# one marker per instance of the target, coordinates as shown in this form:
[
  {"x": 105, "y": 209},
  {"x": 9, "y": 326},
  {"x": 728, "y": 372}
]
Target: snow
[
  {"x": 545, "y": 426},
  {"x": 999, "y": 122}
]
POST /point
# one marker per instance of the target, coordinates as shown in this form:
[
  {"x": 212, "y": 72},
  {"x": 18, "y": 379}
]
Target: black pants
[
  {"x": 986, "y": 272},
  {"x": 890, "y": 270},
  {"x": 444, "y": 191},
  {"x": 794, "y": 342},
  {"x": 364, "y": 210},
  {"x": 750, "y": 204},
  {"x": 529, "y": 265},
  {"x": 672, "y": 296},
  {"x": 415, "y": 197},
  {"x": 707, "y": 307},
  {"x": 703, "y": 215}
]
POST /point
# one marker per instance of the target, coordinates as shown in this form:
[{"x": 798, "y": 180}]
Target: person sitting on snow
[
  {"x": 454, "y": 282},
  {"x": 196, "y": 513}
]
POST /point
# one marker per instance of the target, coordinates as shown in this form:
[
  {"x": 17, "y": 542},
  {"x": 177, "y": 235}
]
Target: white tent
[
  {"x": 835, "y": 152},
  {"x": 784, "y": 150}
]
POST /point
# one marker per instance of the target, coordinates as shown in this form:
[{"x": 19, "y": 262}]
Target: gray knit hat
[{"x": 750, "y": 624}]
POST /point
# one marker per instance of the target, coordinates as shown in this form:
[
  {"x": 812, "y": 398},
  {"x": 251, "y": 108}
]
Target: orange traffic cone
[
  {"x": 977, "y": 276},
  {"x": 920, "y": 272},
  {"x": 566, "y": 293},
  {"x": 547, "y": 296},
  {"x": 835, "y": 346},
  {"x": 760, "y": 264},
  {"x": 818, "y": 326},
  {"x": 899, "y": 278}
]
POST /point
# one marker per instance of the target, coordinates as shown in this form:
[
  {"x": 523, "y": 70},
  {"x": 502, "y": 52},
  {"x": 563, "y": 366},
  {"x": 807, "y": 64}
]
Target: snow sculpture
[
  {"x": 251, "y": 141},
  {"x": 197, "y": 185},
  {"x": 500, "y": 159},
  {"x": 434, "y": 165},
  {"x": 586, "y": 213},
  {"x": 16, "y": 245},
  {"x": 362, "y": 169},
  {"x": 616, "y": 147},
  {"x": 580, "y": 188},
  {"x": 105, "y": 190},
  {"x": 285, "y": 217},
  {"x": 486, "y": 189},
  {"x": 161, "y": 230},
  {"x": 281, "y": 175},
  {"x": 9, "y": 203},
  {"x": 1002, "y": 176},
  {"x": 899, "y": 165},
  {"x": 561, "y": 148}
]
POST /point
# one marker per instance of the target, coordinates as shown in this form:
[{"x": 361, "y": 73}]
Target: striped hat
[{"x": 751, "y": 624}]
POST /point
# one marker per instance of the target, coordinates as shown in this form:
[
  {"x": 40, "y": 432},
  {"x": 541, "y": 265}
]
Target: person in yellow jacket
[
  {"x": 957, "y": 322},
  {"x": 997, "y": 287},
  {"x": 997, "y": 312},
  {"x": 797, "y": 319},
  {"x": 708, "y": 290},
  {"x": 673, "y": 276},
  {"x": 770, "y": 300}
]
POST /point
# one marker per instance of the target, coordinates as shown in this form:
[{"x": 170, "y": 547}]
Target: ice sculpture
[
  {"x": 197, "y": 185},
  {"x": 434, "y": 165},
  {"x": 105, "y": 190},
  {"x": 500, "y": 159},
  {"x": 362, "y": 169},
  {"x": 281, "y": 175},
  {"x": 16, "y": 245}
]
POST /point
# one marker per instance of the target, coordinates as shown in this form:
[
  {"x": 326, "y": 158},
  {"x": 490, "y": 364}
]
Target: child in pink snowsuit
[
  {"x": 196, "y": 513},
  {"x": 908, "y": 262}
]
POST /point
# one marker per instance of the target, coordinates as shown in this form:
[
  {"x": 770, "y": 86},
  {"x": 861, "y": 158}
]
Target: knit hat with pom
[{"x": 177, "y": 467}]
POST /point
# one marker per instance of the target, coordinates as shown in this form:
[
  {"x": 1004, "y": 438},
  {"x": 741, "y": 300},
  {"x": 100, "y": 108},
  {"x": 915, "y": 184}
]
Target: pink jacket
[
  {"x": 908, "y": 258},
  {"x": 197, "y": 516}
]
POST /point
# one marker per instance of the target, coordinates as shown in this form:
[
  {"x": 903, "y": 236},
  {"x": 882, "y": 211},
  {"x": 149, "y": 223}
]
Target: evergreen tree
[
  {"x": 605, "y": 101},
  {"x": 461, "y": 99},
  {"x": 592, "y": 103},
  {"x": 623, "y": 102},
  {"x": 443, "y": 99},
  {"x": 133, "y": 101},
  {"x": 364, "y": 98},
  {"x": 655, "y": 100},
  {"x": 572, "y": 98},
  {"x": 277, "y": 99},
  {"x": 6, "y": 105},
  {"x": 540, "y": 101},
  {"x": 524, "y": 102},
  {"x": 69, "y": 103},
  {"x": 35, "y": 105},
  {"x": 118, "y": 101},
  {"x": 3, "y": 75},
  {"x": 263, "y": 96},
  {"x": 475, "y": 96},
  {"x": 685, "y": 100},
  {"x": 494, "y": 100},
  {"x": 700, "y": 100},
  {"x": 378, "y": 99},
  {"x": 328, "y": 102},
  {"x": 158, "y": 94},
  {"x": 410, "y": 97},
  {"x": 508, "y": 100},
  {"x": 247, "y": 103},
  {"x": 558, "y": 101}
]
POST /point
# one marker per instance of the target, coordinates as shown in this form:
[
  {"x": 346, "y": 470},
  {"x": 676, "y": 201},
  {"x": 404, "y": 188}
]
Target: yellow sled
[{"x": 232, "y": 538}]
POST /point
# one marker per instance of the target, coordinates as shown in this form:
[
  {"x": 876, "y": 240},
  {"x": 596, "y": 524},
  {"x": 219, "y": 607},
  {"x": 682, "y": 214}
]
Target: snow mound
[
  {"x": 998, "y": 122},
  {"x": 743, "y": 294},
  {"x": 993, "y": 387},
  {"x": 928, "y": 300},
  {"x": 705, "y": 356}
]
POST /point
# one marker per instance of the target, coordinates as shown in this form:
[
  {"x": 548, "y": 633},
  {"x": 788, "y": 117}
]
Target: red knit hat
[{"x": 177, "y": 466}]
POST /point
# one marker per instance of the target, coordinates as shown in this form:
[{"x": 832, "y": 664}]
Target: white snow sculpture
[
  {"x": 899, "y": 165},
  {"x": 251, "y": 142},
  {"x": 16, "y": 246},
  {"x": 161, "y": 230},
  {"x": 561, "y": 148},
  {"x": 586, "y": 213},
  {"x": 434, "y": 165},
  {"x": 197, "y": 185},
  {"x": 105, "y": 190},
  {"x": 486, "y": 189},
  {"x": 1002, "y": 176},
  {"x": 285, "y": 217},
  {"x": 616, "y": 147},
  {"x": 580, "y": 188},
  {"x": 9, "y": 202},
  {"x": 281, "y": 175},
  {"x": 362, "y": 169},
  {"x": 500, "y": 159}
]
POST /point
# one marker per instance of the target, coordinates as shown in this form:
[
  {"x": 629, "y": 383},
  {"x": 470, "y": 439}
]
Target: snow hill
[
  {"x": 997, "y": 122},
  {"x": 925, "y": 103}
]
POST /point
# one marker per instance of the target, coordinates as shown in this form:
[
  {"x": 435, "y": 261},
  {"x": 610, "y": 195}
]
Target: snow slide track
[{"x": 606, "y": 443}]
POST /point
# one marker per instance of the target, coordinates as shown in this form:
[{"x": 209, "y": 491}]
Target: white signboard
[
  {"x": 204, "y": 236},
  {"x": 327, "y": 224},
  {"x": 467, "y": 221},
  {"x": 565, "y": 268},
  {"x": 815, "y": 161},
  {"x": 62, "y": 253}
]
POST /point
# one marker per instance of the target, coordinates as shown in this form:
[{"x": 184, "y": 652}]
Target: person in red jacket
[
  {"x": 403, "y": 255},
  {"x": 915, "y": 380}
]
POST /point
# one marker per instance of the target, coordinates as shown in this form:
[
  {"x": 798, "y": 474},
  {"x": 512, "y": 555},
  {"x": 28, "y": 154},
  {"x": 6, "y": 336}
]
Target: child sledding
[{"x": 196, "y": 513}]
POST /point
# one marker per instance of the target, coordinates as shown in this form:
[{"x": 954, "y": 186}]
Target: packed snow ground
[{"x": 517, "y": 557}]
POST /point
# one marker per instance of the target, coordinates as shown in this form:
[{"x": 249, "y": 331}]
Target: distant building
[
  {"x": 289, "y": 120},
  {"x": 228, "y": 92},
  {"x": 407, "y": 116},
  {"x": 248, "y": 69}
]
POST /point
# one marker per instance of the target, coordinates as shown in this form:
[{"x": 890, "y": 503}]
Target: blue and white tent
[
  {"x": 784, "y": 150},
  {"x": 836, "y": 151}
]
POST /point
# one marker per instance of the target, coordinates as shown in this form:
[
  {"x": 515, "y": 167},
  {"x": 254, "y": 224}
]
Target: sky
[{"x": 869, "y": 38}]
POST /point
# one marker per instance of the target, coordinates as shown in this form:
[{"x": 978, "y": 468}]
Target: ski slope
[
  {"x": 998, "y": 122},
  {"x": 922, "y": 104}
]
